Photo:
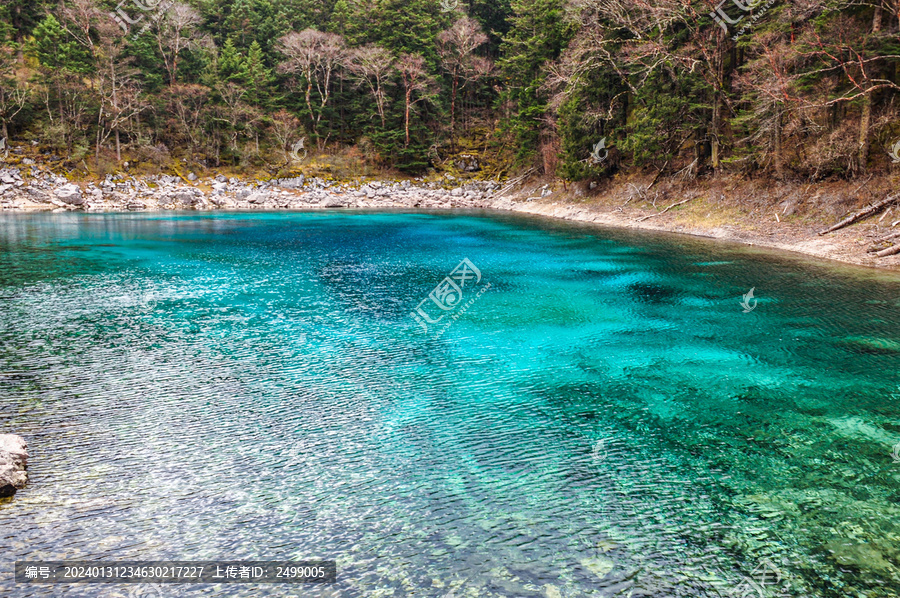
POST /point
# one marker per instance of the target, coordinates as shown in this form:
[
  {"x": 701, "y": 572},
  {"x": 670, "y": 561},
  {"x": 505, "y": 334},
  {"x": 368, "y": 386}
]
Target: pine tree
[
  {"x": 256, "y": 77},
  {"x": 55, "y": 49},
  {"x": 538, "y": 34},
  {"x": 230, "y": 63}
]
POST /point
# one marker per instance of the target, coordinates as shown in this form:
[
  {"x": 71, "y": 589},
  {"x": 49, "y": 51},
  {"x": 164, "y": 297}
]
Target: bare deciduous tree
[
  {"x": 185, "y": 106},
  {"x": 315, "y": 55},
  {"x": 372, "y": 64},
  {"x": 78, "y": 18},
  {"x": 237, "y": 115},
  {"x": 456, "y": 47},
  {"x": 118, "y": 90},
  {"x": 286, "y": 129},
  {"x": 418, "y": 85},
  {"x": 176, "y": 30},
  {"x": 13, "y": 90}
]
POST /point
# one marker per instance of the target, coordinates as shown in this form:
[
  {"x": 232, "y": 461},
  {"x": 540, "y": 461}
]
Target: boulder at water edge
[
  {"x": 70, "y": 194},
  {"x": 13, "y": 462}
]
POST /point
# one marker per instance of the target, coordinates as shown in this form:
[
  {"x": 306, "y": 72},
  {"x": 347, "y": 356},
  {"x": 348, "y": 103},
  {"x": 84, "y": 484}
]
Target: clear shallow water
[{"x": 603, "y": 421}]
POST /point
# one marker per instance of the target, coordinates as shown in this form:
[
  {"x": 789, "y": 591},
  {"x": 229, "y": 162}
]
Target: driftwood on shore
[
  {"x": 889, "y": 251},
  {"x": 676, "y": 204},
  {"x": 517, "y": 180},
  {"x": 888, "y": 237},
  {"x": 875, "y": 247},
  {"x": 863, "y": 214}
]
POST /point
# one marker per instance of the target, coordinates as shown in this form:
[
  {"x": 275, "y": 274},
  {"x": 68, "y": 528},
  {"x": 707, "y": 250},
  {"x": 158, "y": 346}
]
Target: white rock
[
  {"x": 70, "y": 194},
  {"x": 13, "y": 463}
]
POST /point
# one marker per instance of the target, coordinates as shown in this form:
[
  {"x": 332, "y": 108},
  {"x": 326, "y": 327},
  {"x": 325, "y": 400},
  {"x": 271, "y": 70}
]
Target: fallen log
[
  {"x": 875, "y": 244},
  {"x": 516, "y": 181},
  {"x": 887, "y": 238},
  {"x": 666, "y": 210},
  {"x": 862, "y": 214},
  {"x": 889, "y": 251}
]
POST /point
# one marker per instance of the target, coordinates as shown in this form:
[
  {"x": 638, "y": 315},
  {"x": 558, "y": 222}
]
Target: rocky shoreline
[
  {"x": 13, "y": 464},
  {"x": 31, "y": 189},
  {"x": 41, "y": 191}
]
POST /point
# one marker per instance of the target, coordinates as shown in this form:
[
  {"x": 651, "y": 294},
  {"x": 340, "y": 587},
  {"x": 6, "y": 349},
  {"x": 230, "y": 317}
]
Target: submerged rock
[
  {"x": 13, "y": 462},
  {"x": 873, "y": 345},
  {"x": 599, "y": 565},
  {"x": 863, "y": 556}
]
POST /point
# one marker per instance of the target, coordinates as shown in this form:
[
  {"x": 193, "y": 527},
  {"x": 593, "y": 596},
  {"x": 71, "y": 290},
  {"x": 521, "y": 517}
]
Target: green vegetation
[{"x": 796, "y": 91}]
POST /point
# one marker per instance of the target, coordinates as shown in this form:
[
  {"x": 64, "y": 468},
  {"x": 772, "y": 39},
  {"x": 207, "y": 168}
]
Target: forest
[{"x": 578, "y": 89}]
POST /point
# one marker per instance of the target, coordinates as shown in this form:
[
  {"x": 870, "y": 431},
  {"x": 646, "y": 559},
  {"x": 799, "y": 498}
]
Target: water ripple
[{"x": 604, "y": 422}]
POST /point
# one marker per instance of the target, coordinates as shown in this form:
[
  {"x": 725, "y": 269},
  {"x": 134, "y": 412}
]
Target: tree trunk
[
  {"x": 379, "y": 101},
  {"x": 714, "y": 137},
  {"x": 889, "y": 251},
  {"x": 408, "y": 99},
  {"x": 309, "y": 105},
  {"x": 865, "y": 121},
  {"x": 862, "y": 214},
  {"x": 62, "y": 118},
  {"x": 717, "y": 100},
  {"x": 453, "y": 113},
  {"x": 779, "y": 154},
  {"x": 115, "y": 100},
  {"x": 343, "y": 117}
]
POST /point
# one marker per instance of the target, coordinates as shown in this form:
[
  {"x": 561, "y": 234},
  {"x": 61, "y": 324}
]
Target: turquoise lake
[{"x": 602, "y": 417}]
